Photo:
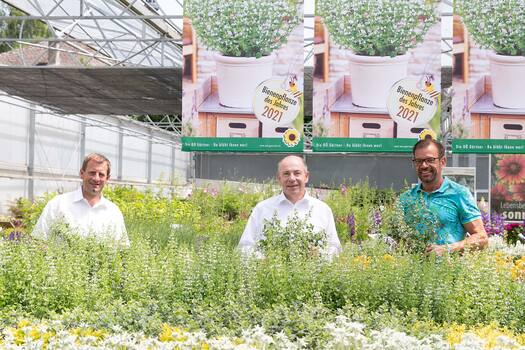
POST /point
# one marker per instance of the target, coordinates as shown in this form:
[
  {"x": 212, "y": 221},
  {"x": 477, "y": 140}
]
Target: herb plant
[
  {"x": 377, "y": 27},
  {"x": 243, "y": 28},
  {"x": 495, "y": 24}
]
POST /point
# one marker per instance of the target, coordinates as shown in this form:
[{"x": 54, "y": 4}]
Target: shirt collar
[
  {"x": 441, "y": 189},
  {"x": 282, "y": 198},
  {"x": 78, "y": 196}
]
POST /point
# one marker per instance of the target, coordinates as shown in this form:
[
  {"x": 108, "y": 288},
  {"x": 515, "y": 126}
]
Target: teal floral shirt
[{"x": 442, "y": 213}]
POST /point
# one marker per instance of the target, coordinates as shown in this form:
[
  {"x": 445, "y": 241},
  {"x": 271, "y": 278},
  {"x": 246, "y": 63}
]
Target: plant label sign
[
  {"x": 410, "y": 105},
  {"x": 277, "y": 102}
]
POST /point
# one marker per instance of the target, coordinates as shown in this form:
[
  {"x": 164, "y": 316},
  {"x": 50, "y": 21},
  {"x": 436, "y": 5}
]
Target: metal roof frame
[{"x": 127, "y": 33}]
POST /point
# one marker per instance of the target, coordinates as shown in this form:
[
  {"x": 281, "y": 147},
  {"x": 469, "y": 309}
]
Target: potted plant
[
  {"x": 245, "y": 33},
  {"x": 499, "y": 25},
  {"x": 379, "y": 34}
]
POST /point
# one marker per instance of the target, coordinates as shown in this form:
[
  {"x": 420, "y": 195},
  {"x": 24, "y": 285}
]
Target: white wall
[{"x": 58, "y": 147}]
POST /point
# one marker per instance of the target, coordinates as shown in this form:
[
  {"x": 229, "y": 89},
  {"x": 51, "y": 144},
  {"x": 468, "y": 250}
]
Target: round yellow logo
[{"x": 291, "y": 137}]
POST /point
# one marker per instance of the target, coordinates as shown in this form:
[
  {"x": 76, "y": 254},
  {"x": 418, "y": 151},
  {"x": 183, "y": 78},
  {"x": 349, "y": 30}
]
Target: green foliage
[
  {"x": 248, "y": 28},
  {"x": 498, "y": 25},
  {"x": 13, "y": 28},
  {"x": 29, "y": 211},
  {"x": 196, "y": 279},
  {"x": 360, "y": 200},
  {"x": 378, "y": 27},
  {"x": 296, "y": 239},
  {"x": 402, "y": 229}
]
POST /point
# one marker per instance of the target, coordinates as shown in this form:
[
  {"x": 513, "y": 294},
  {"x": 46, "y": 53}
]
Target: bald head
[
  {"x": 291, "y": 158},
  {"x": 292, "y": 174}
]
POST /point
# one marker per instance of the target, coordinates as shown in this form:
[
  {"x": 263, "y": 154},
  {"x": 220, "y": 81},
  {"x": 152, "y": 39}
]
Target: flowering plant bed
[{"x": 185, "y": 284}]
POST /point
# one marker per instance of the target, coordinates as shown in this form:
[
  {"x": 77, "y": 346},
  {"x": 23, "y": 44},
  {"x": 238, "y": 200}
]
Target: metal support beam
[
  {"x": 150, "y": 156},
  {"x": 120, "y": 151},
  {"x": 88, "y": 18},
  {"x": 31, "y": 154},
  {"x": 82, "y": 139},
  {"x": 172, "y": 170}
]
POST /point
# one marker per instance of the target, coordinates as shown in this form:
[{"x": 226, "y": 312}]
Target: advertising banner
[
  {"x": 377, "y": 74},
  {"x": 488, "y": 108},
  {"x": 507, "y": 192},
  {"x": 243, "y": 76}
]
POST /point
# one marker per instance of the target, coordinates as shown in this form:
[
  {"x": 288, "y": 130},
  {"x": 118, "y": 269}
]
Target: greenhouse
[{"x": 262, "y": 174}]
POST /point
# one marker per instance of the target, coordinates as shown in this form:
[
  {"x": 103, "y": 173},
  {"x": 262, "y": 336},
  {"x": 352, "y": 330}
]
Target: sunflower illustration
[
  {"x": 511, "y": 168},
  {"x": 291, "y": 137},
  {"x": 427, "y": 133}
]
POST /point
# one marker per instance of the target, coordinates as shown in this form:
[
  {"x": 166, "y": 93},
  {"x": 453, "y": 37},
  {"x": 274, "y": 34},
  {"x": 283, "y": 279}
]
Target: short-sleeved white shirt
[
  {"x": 319, "y": 215},
  {"x": 104, "y": 220}
]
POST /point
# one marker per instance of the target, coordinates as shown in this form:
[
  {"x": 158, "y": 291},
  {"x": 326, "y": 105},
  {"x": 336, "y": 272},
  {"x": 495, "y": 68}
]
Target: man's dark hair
[{"x": 427, "y": 142}]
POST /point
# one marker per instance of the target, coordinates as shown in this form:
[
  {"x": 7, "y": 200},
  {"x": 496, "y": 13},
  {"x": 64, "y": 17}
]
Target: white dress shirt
[
  {"x": 320, "y": 216},
  {"x": 104, "y": 220}
]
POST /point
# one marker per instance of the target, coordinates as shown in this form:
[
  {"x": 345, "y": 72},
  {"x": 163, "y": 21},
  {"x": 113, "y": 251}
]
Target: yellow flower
[
  {"x": 291, "y": 137},
  {"x": 427, "y": 133},
  {"x": 388, "y": 257},
  {"x": 19, "y": 335},
  {"x": 455, "y": 333},
  {"x": 23, "y": 323},
  {"x": 518, "y": 270},
  {"x": 172, "y": 334},
  {"x": 34, "y": 333},
  {"x": 167, "y": 334},
  {"x": 489, "y": 333},
  {"x": 502, "y": 261},
  {"x": 362, "y": 260}
]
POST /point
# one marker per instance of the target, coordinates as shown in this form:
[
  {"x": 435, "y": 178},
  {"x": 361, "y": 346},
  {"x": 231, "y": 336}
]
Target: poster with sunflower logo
[
  {"x": 488, "y": 105},
  {"x": 507, "y": 193},
  {"x": 243, "y": 76},
  {"x": 376, "y": 76}
]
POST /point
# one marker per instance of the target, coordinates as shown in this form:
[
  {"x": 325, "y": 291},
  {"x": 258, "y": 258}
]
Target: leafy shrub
[
  {"x": 249, "y": 28},
  {"x": 498, "y": 24},
  {"x": 377, "y": 27},
  {"x": 198, "y": 280}
]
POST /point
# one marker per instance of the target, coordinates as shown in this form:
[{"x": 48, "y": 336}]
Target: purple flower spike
[
  {"x": 498, "y": 224},
  {"x": 15, "y": 236},
  {"x": 377, "y": 218}
]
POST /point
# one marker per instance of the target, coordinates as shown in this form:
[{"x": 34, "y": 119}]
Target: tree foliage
[{"x": 19, "y": 29}]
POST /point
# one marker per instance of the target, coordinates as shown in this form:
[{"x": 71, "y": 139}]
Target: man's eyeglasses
[{"x": 429, "y": 160}]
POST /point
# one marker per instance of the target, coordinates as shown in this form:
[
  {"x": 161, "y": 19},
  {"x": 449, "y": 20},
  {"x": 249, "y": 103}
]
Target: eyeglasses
[{"x": 429, "y": 160}]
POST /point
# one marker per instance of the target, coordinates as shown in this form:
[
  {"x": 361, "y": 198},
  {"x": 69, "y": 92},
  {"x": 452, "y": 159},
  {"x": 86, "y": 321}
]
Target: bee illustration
[
  {"x": 292, "y": 86},
  {"x": 429, "y": 87}
]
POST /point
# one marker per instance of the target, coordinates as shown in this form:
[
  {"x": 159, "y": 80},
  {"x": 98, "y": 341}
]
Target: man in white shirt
[
  {"x": 292, "y": 174},
  {"x": 85, "y": 210}
]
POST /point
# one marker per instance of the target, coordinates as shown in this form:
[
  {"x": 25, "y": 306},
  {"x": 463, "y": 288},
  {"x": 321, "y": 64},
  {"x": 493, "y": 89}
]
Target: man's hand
[
  {"x": 477, "y": 239},
  {"x": 437, "y": 249}
]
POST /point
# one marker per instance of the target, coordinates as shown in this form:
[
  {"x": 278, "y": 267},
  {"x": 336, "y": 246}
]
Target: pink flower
[
  {"x": 511, "y": 168},
  {"x": 500, "y": 193},
  {"x": 519, "y": 191}
]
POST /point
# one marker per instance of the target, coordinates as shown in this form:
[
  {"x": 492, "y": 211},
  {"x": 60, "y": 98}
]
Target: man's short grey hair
[
  {"x": 97, "y": 157},
  {"x": 292, "y": 155}
]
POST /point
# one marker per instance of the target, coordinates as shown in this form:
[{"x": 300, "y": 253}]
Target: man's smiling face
[{"x": 293, "y": 176}]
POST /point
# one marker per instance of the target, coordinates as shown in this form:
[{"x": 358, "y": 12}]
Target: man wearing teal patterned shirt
[{"x": 440, "y": 205}]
